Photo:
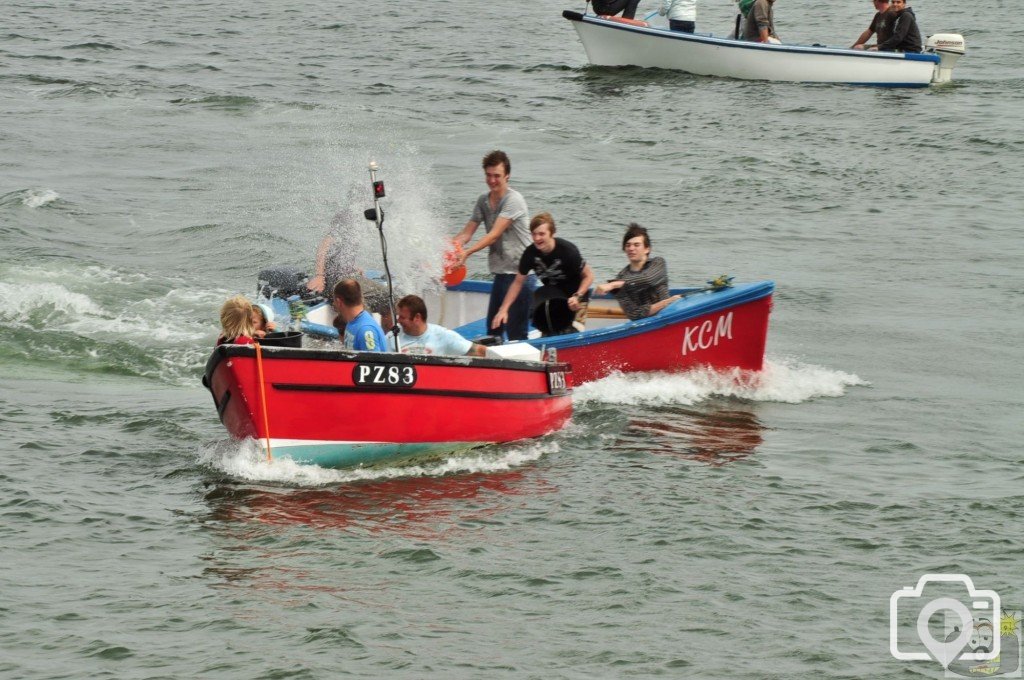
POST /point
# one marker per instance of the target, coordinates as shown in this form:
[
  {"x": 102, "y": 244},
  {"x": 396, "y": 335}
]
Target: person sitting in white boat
[
  {"x": 236, "y": 322},
  {"x": 362, "y": 332},
  {"x": 641, "y": 287},
  {"x": 682, "y": 14},
  {"x": 759, "y": 24},
  {"x": 563, "y": 271},
  {"x": 906, "y": 37},
  {"x": 613, "y": 7},
  {"x": 880, "y": 26},
  {"x": 420, "y": 337}
]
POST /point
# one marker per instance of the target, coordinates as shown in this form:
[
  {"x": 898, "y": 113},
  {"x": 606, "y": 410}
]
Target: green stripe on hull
[{"x": 348, "y": 455}]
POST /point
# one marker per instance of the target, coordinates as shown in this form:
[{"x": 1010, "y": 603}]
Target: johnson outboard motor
[
  {"x": 282, "y": 282},
  {"x": 949, "y": 47}
]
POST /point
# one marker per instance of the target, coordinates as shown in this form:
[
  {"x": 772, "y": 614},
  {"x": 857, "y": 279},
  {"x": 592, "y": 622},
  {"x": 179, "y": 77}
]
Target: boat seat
[
  {"x": 605, "y": 312},
  {"x": 624, "y": 20}
]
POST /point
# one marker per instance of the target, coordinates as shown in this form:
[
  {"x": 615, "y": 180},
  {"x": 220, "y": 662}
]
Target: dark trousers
[
  {"x": 684, "y": 26},
  {"x": 518, "y": 313},
  {"x": 613, "y": 7}
]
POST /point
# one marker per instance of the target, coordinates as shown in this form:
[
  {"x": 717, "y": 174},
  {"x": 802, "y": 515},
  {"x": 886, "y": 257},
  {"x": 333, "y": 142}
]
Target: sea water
[{"x": 154, "y": 157}]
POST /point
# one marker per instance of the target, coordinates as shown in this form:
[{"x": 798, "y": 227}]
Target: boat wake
[
  {"x": 30, "y": 198},
  {"x": 107, "y": 320},
  {"x": 246, "y": 460},
  {"x": 783, "y": 380}
]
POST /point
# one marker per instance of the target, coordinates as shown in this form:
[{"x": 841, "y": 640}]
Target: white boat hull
[{"x": 612, "y": 43}]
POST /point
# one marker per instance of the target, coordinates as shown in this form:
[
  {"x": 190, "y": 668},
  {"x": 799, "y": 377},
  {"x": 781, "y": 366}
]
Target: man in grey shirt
[{"x": 503, "y": 212}]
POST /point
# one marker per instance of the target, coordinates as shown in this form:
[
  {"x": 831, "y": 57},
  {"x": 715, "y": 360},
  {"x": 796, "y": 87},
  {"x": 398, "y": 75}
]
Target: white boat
[{"x": 612, "y": 41}]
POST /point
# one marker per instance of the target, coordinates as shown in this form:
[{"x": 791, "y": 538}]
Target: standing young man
[
  {"x": 559, "y": 265},
  {"x": 504, "y": 214}
]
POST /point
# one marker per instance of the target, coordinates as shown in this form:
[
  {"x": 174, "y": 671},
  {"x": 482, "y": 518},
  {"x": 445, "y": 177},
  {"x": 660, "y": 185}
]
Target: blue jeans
[
  {"x": 683, "y": 26},
  {"x": 518, "y": 313}
]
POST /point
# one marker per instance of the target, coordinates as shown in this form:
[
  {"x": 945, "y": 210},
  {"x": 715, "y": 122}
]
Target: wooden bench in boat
[{"x": 602, "y": 312}]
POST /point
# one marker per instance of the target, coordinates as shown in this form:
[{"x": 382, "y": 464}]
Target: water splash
[
  {"x": 246, "y": 460},
  {"x": 133, "y": 322},
  {"x": 319, "y": 183},
  {"x": 783, "y": 380},
  {"x": 21, "y": 301},
  {"x": 37, "y": 198}
]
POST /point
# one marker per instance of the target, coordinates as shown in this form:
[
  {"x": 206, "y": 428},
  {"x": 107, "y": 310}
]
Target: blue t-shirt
[
  {"x": 364, "y": 334},
  {"x": 435, "y": 340}
]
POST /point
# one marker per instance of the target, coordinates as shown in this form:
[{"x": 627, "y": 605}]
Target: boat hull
[
  {"x": 612, "y": 43},
  {"x": 344, "y": 409},
  {"x": 723, "y": 329}
]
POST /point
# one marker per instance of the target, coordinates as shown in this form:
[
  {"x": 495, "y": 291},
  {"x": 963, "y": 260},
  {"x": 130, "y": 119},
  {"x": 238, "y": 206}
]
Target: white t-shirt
[{"x": 435, "y": 340}]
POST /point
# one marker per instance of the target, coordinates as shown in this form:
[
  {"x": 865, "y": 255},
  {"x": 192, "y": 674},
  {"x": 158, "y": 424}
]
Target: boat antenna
[{"x": 376, "y": 213}]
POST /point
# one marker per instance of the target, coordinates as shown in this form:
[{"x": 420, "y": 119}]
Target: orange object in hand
[{"x": 454, "y": 272}]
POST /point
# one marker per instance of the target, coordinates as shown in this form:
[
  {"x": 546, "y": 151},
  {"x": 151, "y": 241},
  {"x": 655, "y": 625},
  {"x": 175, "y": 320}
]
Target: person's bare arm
[{"x": 500, "y": 225}]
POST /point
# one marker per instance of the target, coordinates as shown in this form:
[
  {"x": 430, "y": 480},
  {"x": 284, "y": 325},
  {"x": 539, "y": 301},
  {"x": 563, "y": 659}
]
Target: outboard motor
[
  {"x": 282, "y": 282},
  {"x": 949, "y": 47}
]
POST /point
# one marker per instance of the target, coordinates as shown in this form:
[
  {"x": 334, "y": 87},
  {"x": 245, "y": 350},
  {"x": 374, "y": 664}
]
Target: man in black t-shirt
[
  {"x": 881, "y": 25},
  {"x": 562, "y": 270}
]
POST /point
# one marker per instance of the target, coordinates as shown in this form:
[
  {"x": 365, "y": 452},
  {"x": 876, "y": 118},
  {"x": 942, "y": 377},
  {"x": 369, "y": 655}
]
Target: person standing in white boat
[
  {"x": 613, "y": 7},
  {"x": 420, "y": 337},
  {"x": 906, "y": 36},
  {"x": 505, "y": 217},
  {"x": 682, "y": 14},
  {"x": 641, "y": 287},
  {"x": 881, "y": 25},
  {"x": 563, "y": 271},
  {"x": 759, "y": 25}
]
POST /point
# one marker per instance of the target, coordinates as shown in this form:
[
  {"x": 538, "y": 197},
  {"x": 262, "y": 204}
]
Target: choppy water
[{"x": 152, "y": 158}]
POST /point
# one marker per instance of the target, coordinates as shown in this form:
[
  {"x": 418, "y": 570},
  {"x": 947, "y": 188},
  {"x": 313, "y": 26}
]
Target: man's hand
[
  {"x": 316, "y": 284},
  {"x": 499, "y": 318}
]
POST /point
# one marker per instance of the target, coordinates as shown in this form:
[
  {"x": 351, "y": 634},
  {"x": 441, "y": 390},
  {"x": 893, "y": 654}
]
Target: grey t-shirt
[{"x": 503, "y": 255}]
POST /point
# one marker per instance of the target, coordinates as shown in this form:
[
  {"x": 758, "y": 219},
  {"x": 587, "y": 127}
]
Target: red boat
[
  {"x": 336, "y": 408},
  {"x": 723, "y": 328}
]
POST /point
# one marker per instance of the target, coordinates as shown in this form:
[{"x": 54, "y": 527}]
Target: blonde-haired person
[
  {"x": 236, "y": 326},
  {"x": 262, "y": 320}
]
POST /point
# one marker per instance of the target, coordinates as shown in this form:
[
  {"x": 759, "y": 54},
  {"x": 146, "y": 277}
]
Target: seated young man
[
  {"x": 420, "y": 337},
  {"x": 362, "y": 332}
]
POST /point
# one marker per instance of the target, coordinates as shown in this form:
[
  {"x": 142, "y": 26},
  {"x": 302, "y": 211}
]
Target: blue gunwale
[{"x": 697, "y": 304}]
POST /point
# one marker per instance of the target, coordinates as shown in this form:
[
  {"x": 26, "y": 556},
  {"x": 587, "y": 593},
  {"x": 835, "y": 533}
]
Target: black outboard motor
[{"x": 283, "y": 282}]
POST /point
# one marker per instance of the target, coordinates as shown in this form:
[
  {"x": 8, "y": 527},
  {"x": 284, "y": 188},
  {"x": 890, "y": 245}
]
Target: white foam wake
[
  {"x": 246, "y": 460},
  {"x": 37, "y": 198},
  {"x": 19, "y": 300},
  {"x": 784, "y": 380}
]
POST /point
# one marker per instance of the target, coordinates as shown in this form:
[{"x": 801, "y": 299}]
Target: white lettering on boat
[
  {"x": 707, "y": 334},
  {"x": 384, "y": 375}
]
